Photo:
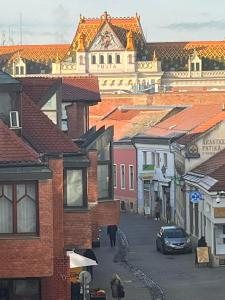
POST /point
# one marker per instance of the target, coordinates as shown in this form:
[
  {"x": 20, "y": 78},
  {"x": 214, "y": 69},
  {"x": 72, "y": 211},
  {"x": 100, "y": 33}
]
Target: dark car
[{"x": 173, "y": 239}]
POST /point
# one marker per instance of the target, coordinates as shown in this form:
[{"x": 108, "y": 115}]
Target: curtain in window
[
  {"x": 6, "y": 207},
  {"x": 103, "y": 181},
  {"x": 74, "y": 188},
  {"x": 26, "y": 208}
]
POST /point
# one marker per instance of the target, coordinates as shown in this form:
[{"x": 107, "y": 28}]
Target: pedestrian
[
  {"x": 89, "y": 253},
  {"x": 123, "y": 247},
  {"x": 202, "y": 242},
  {"x": 117, "y": 287},
  {"x": 111, "y": 231},
  {"x": 75, "y": 291},
  {"x": 168, "y": 212},
  {"x": 157, "y": 211}
]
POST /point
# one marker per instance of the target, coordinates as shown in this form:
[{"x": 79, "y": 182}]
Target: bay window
[{"x": 18, "y": 207}]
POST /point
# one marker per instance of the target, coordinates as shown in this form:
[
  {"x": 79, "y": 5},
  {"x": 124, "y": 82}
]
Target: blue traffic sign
[{"x": 195, "y": 197}]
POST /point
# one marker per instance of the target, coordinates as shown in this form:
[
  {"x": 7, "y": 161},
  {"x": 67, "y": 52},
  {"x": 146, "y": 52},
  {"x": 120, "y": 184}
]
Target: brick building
[{"x": 49, "y": 197}]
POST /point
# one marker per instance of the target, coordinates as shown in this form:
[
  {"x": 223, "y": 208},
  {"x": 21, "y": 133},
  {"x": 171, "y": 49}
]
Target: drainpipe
[{"x": 136, "y": 175}]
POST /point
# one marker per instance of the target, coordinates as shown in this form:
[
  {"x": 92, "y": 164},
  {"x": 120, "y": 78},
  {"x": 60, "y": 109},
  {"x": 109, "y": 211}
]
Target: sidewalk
[{"x": 134, "y": 288}]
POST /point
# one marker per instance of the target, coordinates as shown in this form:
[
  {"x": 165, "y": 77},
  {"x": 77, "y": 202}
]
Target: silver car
[{"x": 173, "y": 239}]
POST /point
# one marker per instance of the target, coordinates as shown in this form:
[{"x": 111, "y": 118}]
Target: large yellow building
[{"x": 115, "y": 50}]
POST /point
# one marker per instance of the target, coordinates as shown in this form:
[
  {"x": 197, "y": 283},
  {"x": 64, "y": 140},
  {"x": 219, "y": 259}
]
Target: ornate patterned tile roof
[
  {"x": 42, "y": 53},
  {"x": 90, "y": 28},
  {"x": 171, "y": 50}
]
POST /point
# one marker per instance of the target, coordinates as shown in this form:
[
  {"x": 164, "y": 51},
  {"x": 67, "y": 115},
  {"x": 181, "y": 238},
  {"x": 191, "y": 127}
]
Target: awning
[{"x": 77, "y": 260}]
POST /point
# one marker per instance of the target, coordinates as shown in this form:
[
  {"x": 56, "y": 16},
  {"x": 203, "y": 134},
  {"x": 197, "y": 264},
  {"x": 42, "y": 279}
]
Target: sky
[{"x": 55, "y": 21}]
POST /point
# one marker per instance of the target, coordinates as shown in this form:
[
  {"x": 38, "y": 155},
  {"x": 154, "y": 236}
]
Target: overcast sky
[{"x": 55, "y": 21}]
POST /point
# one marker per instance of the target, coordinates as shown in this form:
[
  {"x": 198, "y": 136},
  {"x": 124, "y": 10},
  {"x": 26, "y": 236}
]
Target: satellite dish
[{"x": 85, "y": 277}]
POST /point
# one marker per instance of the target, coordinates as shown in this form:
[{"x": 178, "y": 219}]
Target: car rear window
[{"x": 174, "y": 233}]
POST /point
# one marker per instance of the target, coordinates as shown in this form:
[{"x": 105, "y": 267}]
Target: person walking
[
  {"x": 89, "y": 253},
  {"x": 117, "y": 287},
  {"x": 111, "y": 231},
  {"x": 123, "y": 248},
  {"x": 168, "y": 212},
  {"x": 157, "y": 211}
]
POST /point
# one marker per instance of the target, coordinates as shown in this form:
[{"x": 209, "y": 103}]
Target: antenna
[{"x": 21, "y": 31}]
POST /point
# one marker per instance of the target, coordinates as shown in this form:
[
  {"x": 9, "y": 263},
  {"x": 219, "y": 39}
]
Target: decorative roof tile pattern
[
  {"x": 90, "y": 28},
  {"x": 41, "y": 53},
  {"x": 80, "y": 89},
  {"x": 12, "y": 148},
  {"x": 42, "y": 134},
  {"x": 171, "y": 50}
]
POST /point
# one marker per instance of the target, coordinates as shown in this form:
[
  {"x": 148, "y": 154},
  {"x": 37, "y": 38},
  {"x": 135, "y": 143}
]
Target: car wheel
[
  {"x": 164, "y": 250},
  {"x": 157, "y": 247}
]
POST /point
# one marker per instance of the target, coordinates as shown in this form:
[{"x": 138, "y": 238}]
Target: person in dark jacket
[
  {"x": 89, "y": 253},
  {"x": 202, "y": 242},
  {"x": 117, "y": 287},
  {"x": 75, "y": 291},
  {"x": 111, "y": 231}
]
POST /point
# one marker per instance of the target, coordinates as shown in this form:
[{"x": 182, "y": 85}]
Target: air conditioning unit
[{"x": 14, "y": 119}]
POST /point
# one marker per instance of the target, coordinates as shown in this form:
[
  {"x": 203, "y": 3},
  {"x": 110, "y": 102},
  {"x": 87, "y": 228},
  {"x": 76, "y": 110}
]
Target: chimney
[{"x": 76, "y": 120}]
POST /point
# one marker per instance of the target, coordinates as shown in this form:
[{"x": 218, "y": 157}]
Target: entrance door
[{"x": 4, "y": 294}]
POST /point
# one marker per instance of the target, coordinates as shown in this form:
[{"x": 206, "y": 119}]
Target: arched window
[
  {"x": 130, "y": 58},
  {"x": 113, "y": 82},
  {"x": 105, "y": 83},
  {"x": 93, "y": 59},
  {"x": 120, "y": 82},
  {"x": 130, "y": 82},
  {"x": 81, "y": 60},
  {"x": 110, "y": 59},
  {"x": 101, "y": 59},
  {"x": 118, "y": 59}
]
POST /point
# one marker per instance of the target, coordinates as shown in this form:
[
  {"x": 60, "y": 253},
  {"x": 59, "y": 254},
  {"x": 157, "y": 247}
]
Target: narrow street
[{"x": 177, "y": 275}]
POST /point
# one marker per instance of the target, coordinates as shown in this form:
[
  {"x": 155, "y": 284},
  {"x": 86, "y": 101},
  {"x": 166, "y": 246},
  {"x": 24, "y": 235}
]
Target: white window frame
[
  {"x": 11, "y": 119},
  {"x": 121, "y": 177},
  {"x": 157, "y": 161},
  {"x": 115, "y": 177},
  {"x": 165, "y": 161},
  {"x": 131, "y": 187}
]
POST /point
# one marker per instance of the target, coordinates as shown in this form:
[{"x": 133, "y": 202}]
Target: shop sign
[
  {"x": 195, "y": 197},
  {"x": 219, "y": 212}
]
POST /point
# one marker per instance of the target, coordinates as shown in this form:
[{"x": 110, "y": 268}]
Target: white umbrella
[{"x": 77, "y": 260}]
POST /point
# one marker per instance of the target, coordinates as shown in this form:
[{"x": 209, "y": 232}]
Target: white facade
[{"x": 153, "y": 184}]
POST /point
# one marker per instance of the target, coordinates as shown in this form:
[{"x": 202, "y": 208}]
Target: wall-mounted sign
[
  {"x": 192, "y": 151},
  {"x": 195, "y": 197},
  {"x": 212, "y": 146}
]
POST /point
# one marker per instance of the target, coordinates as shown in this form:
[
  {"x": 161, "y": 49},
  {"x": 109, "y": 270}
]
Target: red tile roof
[
  {"x": 128, "y": 123},
  {"x": 215, "y": 168},
  {"x": 12, "y": 148},
  {"x": 36, "y": 88},
  {"x": 40, "y": 131},
  {"x": 80, "y": 88},
  {"x": 185, "y": 121}
]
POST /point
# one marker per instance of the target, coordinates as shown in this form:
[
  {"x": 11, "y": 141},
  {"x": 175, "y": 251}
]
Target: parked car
[{"x": 173, "y": 239}]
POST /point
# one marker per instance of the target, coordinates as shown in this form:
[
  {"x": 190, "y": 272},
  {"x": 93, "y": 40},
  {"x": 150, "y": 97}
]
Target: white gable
[{"x": 107, "y": 40}]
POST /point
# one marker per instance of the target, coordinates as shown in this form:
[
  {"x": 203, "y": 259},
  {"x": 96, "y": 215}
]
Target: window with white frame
[
  {"x": 122, "y": 176},
  {"x": 115, "y": 176},
  {"x": 157, "y": 160},
  {"x": 165, "y": 160},
  {"x": 144, "y": 157},
  {"x": 131, "y": 177},
  {"x": 153, "y": 158}
]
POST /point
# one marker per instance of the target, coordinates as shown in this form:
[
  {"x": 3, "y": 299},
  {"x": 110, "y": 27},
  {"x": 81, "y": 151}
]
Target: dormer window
[
  {"x": 101, "y": 59},
  {"x": 93, "y": 59},
  {"x": 14, "y": 119},
  {"x": 118, "y": 61},
  {"x": 110, "y": 59}
]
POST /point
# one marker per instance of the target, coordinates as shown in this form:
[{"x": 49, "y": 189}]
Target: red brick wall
[
  {"x": 77, "y": 229},
  {"x": 26, "y": 257},
  {"x": 92, "y": 177},
  {"x": 75, "y": 120},
  {"x": 58, "y": 286},
  {"x": 106, "y": 213},
  {"x": 56, "y": 165}
]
